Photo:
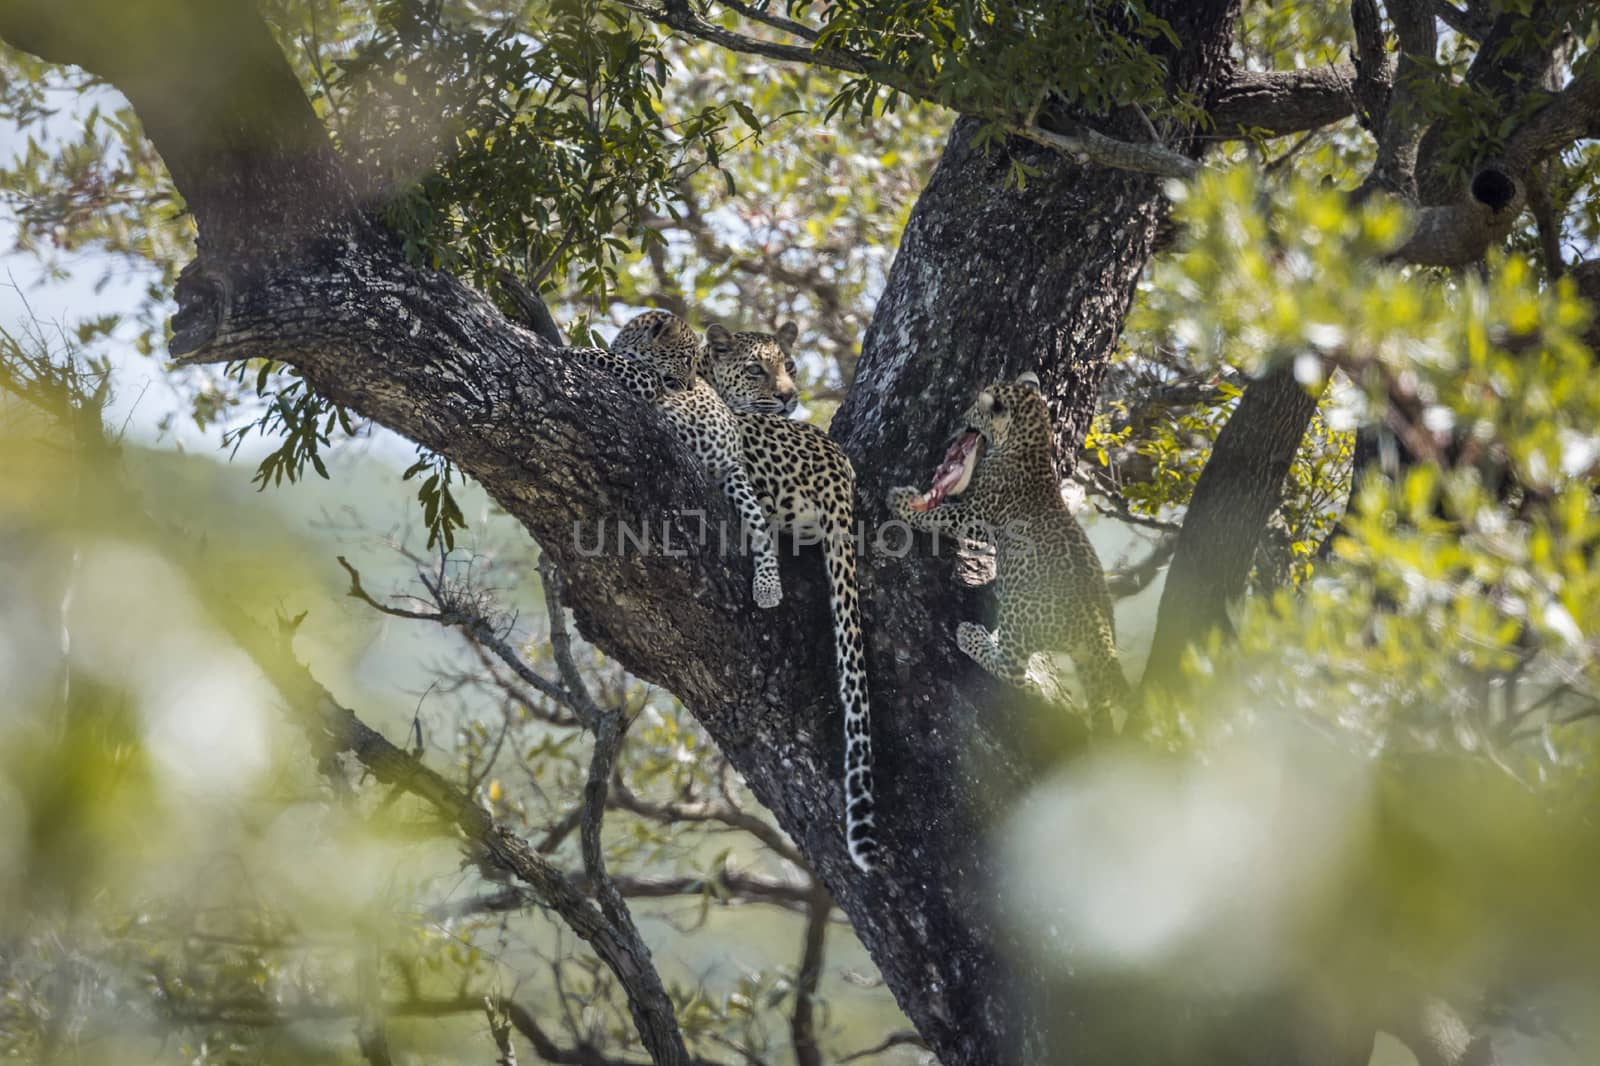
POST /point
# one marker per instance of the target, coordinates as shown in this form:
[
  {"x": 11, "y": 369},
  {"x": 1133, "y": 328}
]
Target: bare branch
[
  {"x": 335, "y": 727},
  {"x": 1133, "y": 579},
  {"x": 725, "y": 887},
  {"x": 802, "y": 1026},
  {"x": 576, "y": 688},
  {"x": 500, "y": 1031},
  {"x": 904, "y": 1038},
  {"x": 723, "y": 813},
  {"x": 473, "y": 624}
]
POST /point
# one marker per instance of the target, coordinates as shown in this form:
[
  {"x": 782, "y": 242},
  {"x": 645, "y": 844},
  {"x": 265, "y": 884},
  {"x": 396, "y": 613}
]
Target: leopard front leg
[
  {"x": 1002, "y": 658},
  {"x": 767, "y": 586},
  {"x": 948, "y": 517}
]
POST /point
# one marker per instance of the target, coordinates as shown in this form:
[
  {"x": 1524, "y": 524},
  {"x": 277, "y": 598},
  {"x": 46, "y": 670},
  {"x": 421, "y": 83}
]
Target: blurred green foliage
[{"x": 181, "y": 876}]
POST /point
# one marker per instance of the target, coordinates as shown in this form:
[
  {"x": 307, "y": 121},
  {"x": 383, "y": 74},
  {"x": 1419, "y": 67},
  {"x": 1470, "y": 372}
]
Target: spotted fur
[
  {"x": 1050, "y": 586},
  {"x": 654, "y": 356},
  {"x": 807, "y": 488},
  {"x": 753, "y": 372}
]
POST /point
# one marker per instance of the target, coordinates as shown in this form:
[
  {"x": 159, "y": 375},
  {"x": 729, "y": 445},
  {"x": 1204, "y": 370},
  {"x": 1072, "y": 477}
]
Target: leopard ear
[
  {"x": 1031, "y": 380},
  {"x": 787, "y": 334},
  {"x": 718, "y": 337}
]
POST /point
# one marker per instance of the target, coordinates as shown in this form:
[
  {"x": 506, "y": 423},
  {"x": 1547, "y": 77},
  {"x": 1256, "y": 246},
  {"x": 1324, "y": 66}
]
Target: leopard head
[
  {"x": 663, "y": 341},
  {"x": 1011, "y": 418},
  {"x": 1006, "y": 429},
  {"x": 753, "y": 372}
]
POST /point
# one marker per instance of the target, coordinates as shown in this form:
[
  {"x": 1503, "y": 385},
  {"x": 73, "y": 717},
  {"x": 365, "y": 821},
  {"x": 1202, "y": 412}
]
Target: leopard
[
  {"x": 754, "y": 373},
  {"x": 998, "y": 485},
  {"x": 806, "y": 485},
  {"x": 652, "y": 357}
]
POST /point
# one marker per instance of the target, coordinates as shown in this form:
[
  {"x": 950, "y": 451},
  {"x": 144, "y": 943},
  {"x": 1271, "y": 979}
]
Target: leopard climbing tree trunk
[{"x": 990, "y": 280}]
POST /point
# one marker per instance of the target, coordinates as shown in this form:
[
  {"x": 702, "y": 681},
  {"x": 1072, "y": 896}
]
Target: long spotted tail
[{"x": 839, "y": 551}]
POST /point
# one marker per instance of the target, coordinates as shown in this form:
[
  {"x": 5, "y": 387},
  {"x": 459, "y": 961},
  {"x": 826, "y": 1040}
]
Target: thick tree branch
[
  {"x": 1571, "y": 115},
  {"x": 1239, "y": 489},
  {"x": 1466, "y": 21},
  {"x": 1288, "y": 101},
  {"x": 253, "y": 166},
  {"x": 1402, "y": 125},
  {"x": 1460, "y": 233}
]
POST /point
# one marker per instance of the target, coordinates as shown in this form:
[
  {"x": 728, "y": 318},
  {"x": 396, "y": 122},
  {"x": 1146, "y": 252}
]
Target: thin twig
[
  {"x": 904, "y": 1038},
  {"x": 732, "y": 817},
  {"x": 500, "y": 1031},
  {"x": 476, "y": 626}
]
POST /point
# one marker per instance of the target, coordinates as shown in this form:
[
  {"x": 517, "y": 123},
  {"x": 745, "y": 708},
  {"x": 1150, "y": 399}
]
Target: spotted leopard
[
  {"x": 654, "y": 360},
  {"x": 807, "y": 488},
  {"x": 998, "y": 484}
]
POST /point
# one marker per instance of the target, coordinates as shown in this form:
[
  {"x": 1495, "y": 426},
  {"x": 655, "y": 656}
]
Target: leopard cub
[{"x": 998, "y": 484}]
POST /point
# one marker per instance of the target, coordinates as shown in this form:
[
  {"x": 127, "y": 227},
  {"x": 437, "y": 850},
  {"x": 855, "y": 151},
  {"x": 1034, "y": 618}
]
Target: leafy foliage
[
  {"x": 1008, "y": 60},
  {"x": 523, "y": 145},
  {"x": 1489, "y": 538}
]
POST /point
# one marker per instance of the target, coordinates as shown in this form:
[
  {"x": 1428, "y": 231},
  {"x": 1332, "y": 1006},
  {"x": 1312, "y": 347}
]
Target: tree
[{"x": 1025, "y": 250}]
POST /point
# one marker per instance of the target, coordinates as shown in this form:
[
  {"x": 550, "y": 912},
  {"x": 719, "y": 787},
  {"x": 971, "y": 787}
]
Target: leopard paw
[
  {"x": 902, "y": 500},
  {"x": 974, "y": 640}
]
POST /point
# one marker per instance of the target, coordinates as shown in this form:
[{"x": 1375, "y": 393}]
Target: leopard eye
[
  {"x": 789, "y": 367},
  {"x": 675, "y": 384},
  {"x": 999, "y": 408},
  {"x": 753, "y": 370}
]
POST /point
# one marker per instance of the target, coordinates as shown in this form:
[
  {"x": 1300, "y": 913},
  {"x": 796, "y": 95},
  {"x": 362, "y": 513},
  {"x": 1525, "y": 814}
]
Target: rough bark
[{"x": 1288, "y": 101}]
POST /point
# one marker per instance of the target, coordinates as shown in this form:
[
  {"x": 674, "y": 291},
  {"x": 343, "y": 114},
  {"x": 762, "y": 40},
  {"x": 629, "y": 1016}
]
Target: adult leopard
[
  {"x": 653, "y": 361},
  {"x": 806, "y": 487}
]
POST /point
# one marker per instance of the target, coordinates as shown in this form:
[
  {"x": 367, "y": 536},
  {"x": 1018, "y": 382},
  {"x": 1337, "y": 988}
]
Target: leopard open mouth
[{"x": 955, "y": 473}]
